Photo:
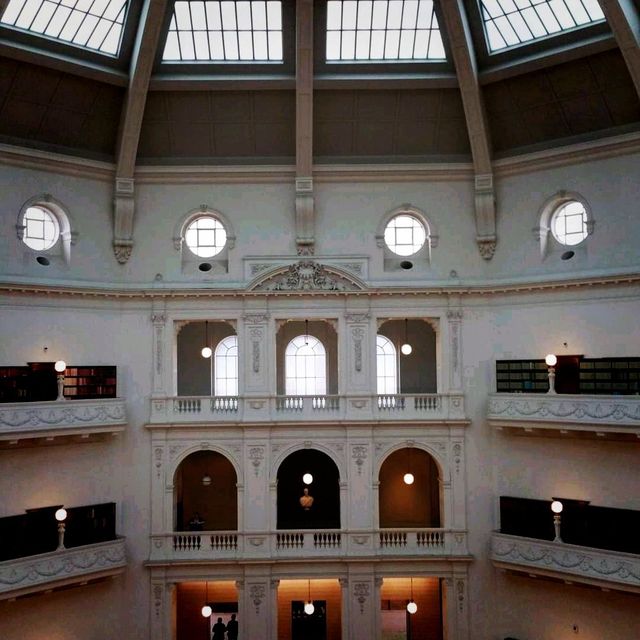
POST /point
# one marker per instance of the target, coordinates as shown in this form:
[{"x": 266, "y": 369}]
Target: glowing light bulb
[
  {"x": 206, "y": 611},
  {"x": 61, "y": 515},
  {"x": 556, "y": 506},
  {"x": 206, "y": 352},
  {"x": 408, "y": 478},
  {"x": 412, "y": 607},
  {"x": 551, "y": 360},
  {"x": 309, "y": 608},
  {"x": 307, "y": 478},
  {"x": 406, "y": 349},
  {"x": 60, "y": 366},
  {"x": 206, "y": 480}
]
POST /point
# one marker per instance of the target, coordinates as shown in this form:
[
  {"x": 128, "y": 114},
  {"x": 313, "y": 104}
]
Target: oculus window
[
  {"x": 509, "y": 23},
  {"x": 305, "y": 367},
  {"x": 225, "y": 32},
  {"x": 569, "y": 223},
  {"x": 226, "y": 367},
  {"x": 205, "y": 236},
  {"x": 383, "y": 30},
  {"x": 41, "y": 229},
  {"x": 92, "y": 24},
  {"x": 405, "y": 235}
]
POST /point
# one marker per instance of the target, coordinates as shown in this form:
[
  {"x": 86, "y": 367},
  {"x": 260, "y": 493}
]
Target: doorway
[{"x": 309, "y": 627}]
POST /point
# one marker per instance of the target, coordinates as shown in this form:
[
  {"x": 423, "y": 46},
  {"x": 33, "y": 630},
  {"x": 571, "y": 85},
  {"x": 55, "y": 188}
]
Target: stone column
[
  {"x": 358, "y": 377},
  {"x": 159, "y": 374},
  {"x": 363, "y": 607},
  {"x": 454, "y": 318},
  {"x": 241, "y": 610},
  {"x": 346, "y": 607},
  {"x": 456, "y": 597}
]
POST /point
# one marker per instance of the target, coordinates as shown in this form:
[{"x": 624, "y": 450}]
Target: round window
[
  {"x": 569, "y": 223},
  {"x": 206, "y": 236},
  {"x": 405, "y": 235},
  {"x": 41, "y": 229}
]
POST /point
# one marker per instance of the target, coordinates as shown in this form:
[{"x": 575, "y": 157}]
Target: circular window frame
[
  {"x": 28, "y": 240},
  {"x": 418, "y": 224},
  {"x": 546, "y": 217},
  {"x": 203, "y": 211},
  {"x": 431, "y": 233},
  {"x": 554, "y": 218},
  {"x": 205, "y": 252}
]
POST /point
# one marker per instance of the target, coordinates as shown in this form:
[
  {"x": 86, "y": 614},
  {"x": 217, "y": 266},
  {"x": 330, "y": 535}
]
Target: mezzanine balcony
[
  {"x": 235, "y": 546},
  {"x": 564, "y": 414},
  {"x": 327, "y": 408}
]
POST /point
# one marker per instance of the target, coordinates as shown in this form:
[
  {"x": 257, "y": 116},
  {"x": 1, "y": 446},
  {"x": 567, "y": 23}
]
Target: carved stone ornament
[
  {"x": 307, "y": 275},
  {"x": 358, "y": 335},
  {"x": 487, "y": 247},
  {"x": 361, "y": 591},
  {"x": 457, "y": 455},
  {"x": 157, "y": 598},
  {"x": 359, "y": 454},
  {"x": 122, "y": 250},
  {"x": 257, "y": 593},
  {"x": 158, "y": 459},
  {"x": 255, "y": 356},
  {"x": 460, "y": 594},
  {"x": 256, "y": 455}
]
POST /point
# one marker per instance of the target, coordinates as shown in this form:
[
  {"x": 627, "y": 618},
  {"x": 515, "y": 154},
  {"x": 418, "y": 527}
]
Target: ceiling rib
[
  {"x": 304, "y": 128},
  {"x": 624, "y": 20},
  {"x": 142, "y": 59},
  {"x": 459, "y": 35}
]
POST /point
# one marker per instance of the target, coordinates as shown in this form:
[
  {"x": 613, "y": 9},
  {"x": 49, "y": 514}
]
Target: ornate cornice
[{"x": 306, "y": 275}]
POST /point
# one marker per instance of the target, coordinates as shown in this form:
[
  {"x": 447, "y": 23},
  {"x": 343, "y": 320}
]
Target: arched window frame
[
  {"x": 67, "y": 236},
  {"x": 317, "y": 385},
  {"x": 386, "y": 359},
  {"x": 223, "y": 357},
  {"x": 431, "y": 240},
  {"x": 542, "y": 231}
]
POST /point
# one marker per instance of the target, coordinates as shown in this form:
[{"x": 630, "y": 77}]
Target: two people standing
[{"x": 231, "y": 629}]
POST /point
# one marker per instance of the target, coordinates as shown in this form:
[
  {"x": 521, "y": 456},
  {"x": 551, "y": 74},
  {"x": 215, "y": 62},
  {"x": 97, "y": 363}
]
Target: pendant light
[
  {"x": 406, "y": 348},
  {"x": 206, "y": 350},
  {"x": 412, "y": 607},
  {"x": 308, "y": 606},
  {"x": 306, "y": 332},
  {"x": 206, "y": 610},
  {"x": 409, "y": 477},
  {"x": 307, "y": 478}
]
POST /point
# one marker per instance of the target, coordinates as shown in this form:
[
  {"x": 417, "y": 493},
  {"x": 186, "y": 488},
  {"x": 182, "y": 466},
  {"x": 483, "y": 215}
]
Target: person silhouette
[
  {"x": 232, "y": 628},
  {"x": 218, "y": 630}
]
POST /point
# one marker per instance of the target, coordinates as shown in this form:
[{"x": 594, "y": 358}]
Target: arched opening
[
  {"x": 295, "y": 510},
  {"x": 225, "y": 367},
  {"x": 386, "y": 366},
  {"x": 409, "y": 505},
  {"x": 417, "y": 370},
  {"x": 205, "y": 491}
]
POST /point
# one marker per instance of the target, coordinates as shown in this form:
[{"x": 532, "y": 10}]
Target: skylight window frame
[
  {"x": 269, "y": 68},
  {"x": 421, "y": 68},
  {"x": 47, "y": 45}
]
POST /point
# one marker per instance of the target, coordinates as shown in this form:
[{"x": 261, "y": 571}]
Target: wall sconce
[
  {"x": 307, "y": 478},
  {"x": 61, "y": 516},
  {"x": 551, "y": 360},
  {"x": 556, "y": 507},
  {"x": 308, "y": 606},
  {"x": 206, "y": 350},
  {"x": 60, "y": 367},
  {"x": 406, "y": 348},
  {"x": 206, "y": 611},
  {"x": 412, "y": 607}
]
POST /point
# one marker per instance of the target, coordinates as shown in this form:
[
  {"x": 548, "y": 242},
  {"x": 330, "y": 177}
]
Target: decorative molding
[
  {"x": 307, "y": 275},
  {"x": 157, "y": 599},
  {"x": 357, "y": 318},
  {"x": 158, "y": 453},
  {"x": 257, "y": 593},
  {"x": 358, "y": 335},
  {"x": 584, "y": 564},
  {"x": 359, "y": 454},
  {"x": 256, "y": 455},
  {"x": 486, "y": 246},
  {"x": 256, "y": 319},
  {"x": 361, "y": 591},
  {"x": 460, "y": 594},
  {"x": 457, "y": 455},
  {"x": 122, "y": 250}
]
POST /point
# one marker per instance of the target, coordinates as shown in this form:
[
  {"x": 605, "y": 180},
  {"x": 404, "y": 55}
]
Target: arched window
[
  {"x": 226, "y": 367},
  {"x": 386, "y": 366},
  {"x": 305, "y": 367}
]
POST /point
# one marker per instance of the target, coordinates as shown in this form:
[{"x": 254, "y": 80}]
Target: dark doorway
[{"x": 305, "y": 627}]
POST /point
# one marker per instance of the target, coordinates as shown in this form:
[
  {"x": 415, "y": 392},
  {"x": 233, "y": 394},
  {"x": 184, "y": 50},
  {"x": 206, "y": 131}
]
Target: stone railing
[
  {"x": 59, "y": 568},
  {"x": 325, "y": 543},
  {"x": 327, "y": 408},
  {"x": 19, "y": 420},
  {"x": 553, "y": 412},
  {"x": 607, "y": 569}
]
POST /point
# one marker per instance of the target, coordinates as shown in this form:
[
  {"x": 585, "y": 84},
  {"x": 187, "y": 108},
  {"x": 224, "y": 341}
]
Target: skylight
[
  {"x": 383, "y": 31},
  {"x": 225, "y": 32},
  {"x": 93, "y": 24},
  {"x": 509, "y": 23}
]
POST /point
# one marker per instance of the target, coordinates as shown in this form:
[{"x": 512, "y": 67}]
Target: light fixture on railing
[
  {"x": 206, "y": 611},
  {"x": 557, "y": 507},
  {"x": 409, "y": 477},
  {"x": 412, "y": 607},
  {"x": 406, "y": 348},
  {"x": 308, "y": 605},
  {"x": 206, "y": 350},
  {"x": 61, "y": 516},
  {"x": 306, "y": 332},
  {"x": 206, "y": 480},
  {"x": 551, "y": 360},
  {"x": 60, "y": 367},
  {"x": 307, "y": 478}
]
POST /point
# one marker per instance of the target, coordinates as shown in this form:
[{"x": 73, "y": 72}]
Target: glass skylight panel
[
  {"x": 93, "y": 24},
  {"x": 383, "y": 31},
  {"x": 225, "y": 32},
  {"x": 509, "y": 23}
]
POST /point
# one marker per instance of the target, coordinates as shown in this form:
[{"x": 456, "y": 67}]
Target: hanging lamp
[
  {"x": 308, "y": 606},
  {"x": 412, "y": 607},
  {"x": 409, "y": 477},
  {"x": 306, "y": 332},
  {"x": 206, "y": 350},
  {"x": 406, "y": 348},
  {"x": 206, "y": 610}
]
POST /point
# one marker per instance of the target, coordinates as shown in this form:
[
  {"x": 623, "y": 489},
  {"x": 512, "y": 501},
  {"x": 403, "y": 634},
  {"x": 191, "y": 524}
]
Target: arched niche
[
  {"x": 417, "y": 372},
  {"x": 409, "y": 505},
  {"x": 324, "y": 513},
  {"x": 215, "y": 502}
]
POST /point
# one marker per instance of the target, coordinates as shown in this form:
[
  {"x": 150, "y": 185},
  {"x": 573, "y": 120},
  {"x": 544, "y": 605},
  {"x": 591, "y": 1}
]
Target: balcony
[
  {"x": 291, "y": 409},
  {"x": 48, "y": 571},
  {"x": 44, "y": 421},
  {"x": 234, "y": 546},
  {"x": 616, "y": 417},
  {"x": 567, "y": 562}
]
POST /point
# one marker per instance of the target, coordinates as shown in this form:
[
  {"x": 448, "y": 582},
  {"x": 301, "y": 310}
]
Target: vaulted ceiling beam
[
  {"x": 623, "y": 17},
  {"x": 457, "y": 27},
  {"x": 142, "y": 60},
  {"x": 305, "y": 213}
]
